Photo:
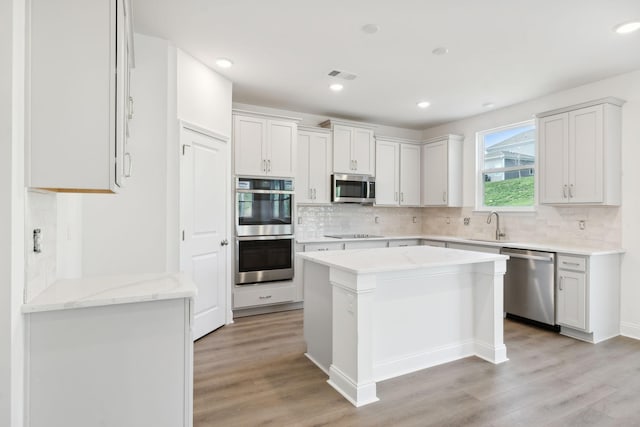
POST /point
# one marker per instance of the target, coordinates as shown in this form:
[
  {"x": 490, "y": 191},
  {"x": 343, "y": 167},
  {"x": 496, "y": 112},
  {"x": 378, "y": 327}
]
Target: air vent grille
[{"x": 342, "y": 75}]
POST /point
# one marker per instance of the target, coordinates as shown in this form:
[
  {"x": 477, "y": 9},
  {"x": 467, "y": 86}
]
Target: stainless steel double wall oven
[{"x": 264, "y": 230}]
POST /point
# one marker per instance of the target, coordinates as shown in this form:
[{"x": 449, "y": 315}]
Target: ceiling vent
[{"x": 342, "y": 75}]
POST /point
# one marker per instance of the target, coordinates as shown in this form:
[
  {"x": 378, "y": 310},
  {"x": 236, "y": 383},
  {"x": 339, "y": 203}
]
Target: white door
[
  {"x": 363, "y": 151},
  {"x": 204, "y": 198},
  {"x": 281, "y": 152},
  {"x": 342, "y": 159},
  {"x": 250, "y": 140},
  {"x": 409, "y": 175},
  {"x": 553, "y": 160},
  {"x": 435, "y": 174},
  {"x": 586, "y": 154}
]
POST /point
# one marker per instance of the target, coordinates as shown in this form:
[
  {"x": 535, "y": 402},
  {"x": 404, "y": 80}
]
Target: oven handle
[
  {"x": 265, "y": 191},
  {"x": 278, "y": 237}
]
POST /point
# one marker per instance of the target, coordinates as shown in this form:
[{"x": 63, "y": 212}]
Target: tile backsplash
[
  {"x": 602, "y": 225},
  {"x": 41, "y": 213}
]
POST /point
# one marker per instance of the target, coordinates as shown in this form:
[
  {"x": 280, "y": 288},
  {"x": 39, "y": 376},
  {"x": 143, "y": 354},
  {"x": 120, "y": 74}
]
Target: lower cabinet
[
  {"x": 588, "y": 296},
  {"x": 435, "y": 243},
  {"x": 245, "y": 296},
  {"x": 403, "y": 243},
  {"x": 476, "y": 248},
  {"x": 123, "y": 365}
]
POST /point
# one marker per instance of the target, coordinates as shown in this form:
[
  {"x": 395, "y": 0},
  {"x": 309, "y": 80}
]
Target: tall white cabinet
[
  {"x": 264, "y": 145},
  {"x": 397, "y": 172},
  {"x": 314, "y": 166},
  {"x": 442, "y": 171},
  {"x": 353, "y": 147},
  {"x": 78, "y": 63},
  {"x": 580, "y": 154}
]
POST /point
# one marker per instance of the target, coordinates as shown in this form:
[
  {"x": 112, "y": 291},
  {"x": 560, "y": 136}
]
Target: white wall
[
  {"x": 126, "y": 232},
  {"x": 12, "y": 29},
  {"x": 204, "y": 97},
  {"x": 624, "y": 219}
]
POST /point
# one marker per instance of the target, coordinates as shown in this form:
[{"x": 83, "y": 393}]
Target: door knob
[{"x": 225, "y": 242}]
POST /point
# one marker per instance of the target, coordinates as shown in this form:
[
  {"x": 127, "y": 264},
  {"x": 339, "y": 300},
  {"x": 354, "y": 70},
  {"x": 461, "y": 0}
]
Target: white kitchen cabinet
[
  {"x": 472, "y": 247},
  {"x": 78, "y": 103},
  {"x": 397, "y": 173},
  {"x": 264, "y": 145},
  {"x": 313, "y": 173},
  {"x": 353, "y": 147},
  {"x": 268, "y": 293},
  {"x": 441, "y": 176},
  {"x": 117, "y": 365},
  {"x": 588, "y": 296},
  {"x": 580, "y": 154},
  {"x": 434, "y": 243},
  {"x": 366, "y": 244},
  {"x": 403, "y": 243}
]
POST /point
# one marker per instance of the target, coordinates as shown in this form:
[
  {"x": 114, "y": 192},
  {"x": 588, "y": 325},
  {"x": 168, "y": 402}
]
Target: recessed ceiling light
[
  {"x": 440, "y": 51},
  {"x": 224, "y": 63},
  {"x": 488, "y": 105},
  {"x": 336, "y": 87},
  {"x": 370, "y": 28},
  {"x": 627, "y": 27},
  {"x": 423, "y": 104}
]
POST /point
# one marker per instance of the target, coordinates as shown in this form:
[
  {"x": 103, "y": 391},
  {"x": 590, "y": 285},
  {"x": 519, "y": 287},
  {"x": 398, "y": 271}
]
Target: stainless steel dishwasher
[{"x": 529, "y": 285}]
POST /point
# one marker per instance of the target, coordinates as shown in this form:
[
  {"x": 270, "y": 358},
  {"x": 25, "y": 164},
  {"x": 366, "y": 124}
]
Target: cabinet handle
[
  {"x": 571, "y": 263},
  {"x": 356, "y": 165},
  {"x": 323, "y": 249},
  {"x": 564, "y": 191},
  {"x": 127, "y": 174},
  {"x": 265, "y": 297},
  {"x": 401, "y": 196},
  {"x": 130, "y": 107},
  {"x": 571, "y": 191},
  {"x": 311, "y": 193},
  {"x": 560, "y": 285},
  {"x": 224, "y": 242},
  {"x": 444, "y": 196},
  {"x": 264, "y": 165},
  {"x": 314, "y": 194},
  {"x": 269, "y": 165}
]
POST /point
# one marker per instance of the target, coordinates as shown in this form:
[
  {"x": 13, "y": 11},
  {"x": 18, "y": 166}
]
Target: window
[{"x": 506, "y": 167}]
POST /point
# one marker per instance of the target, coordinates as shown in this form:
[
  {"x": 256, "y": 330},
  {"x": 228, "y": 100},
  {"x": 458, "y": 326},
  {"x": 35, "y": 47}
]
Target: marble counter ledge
[
  {"x": 365, "y": 261},
  {"x": 110, "y": 290}
]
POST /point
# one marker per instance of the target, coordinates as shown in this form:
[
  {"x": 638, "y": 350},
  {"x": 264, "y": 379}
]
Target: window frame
[{"x": 480, "y": 171}]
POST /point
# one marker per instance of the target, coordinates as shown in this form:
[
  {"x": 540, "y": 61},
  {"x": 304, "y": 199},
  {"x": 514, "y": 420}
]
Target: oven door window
[
  {"x": 354, "y": 189},
  {"x": 264, "y": 209},
  {"x": 263, "y": 255}
]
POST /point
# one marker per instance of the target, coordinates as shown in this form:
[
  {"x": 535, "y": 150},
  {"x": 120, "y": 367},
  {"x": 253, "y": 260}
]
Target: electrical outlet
[
  {"x": 377, "y": 220},
  {"x": 467, "y": 220},
  {"x": 447, "y": 220},
  {"x": 37, "y": 240},
  {"x": 582, "y": 224},
  {"x": 414, "y": 219},
  {"x": 299, "y": 220}
]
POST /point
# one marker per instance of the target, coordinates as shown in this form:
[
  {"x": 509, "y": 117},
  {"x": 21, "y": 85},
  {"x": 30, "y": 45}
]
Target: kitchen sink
[{"x": 353, "y": 236}]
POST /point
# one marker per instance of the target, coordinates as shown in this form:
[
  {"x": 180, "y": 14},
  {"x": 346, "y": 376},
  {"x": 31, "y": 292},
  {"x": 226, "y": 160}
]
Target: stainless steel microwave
[{"x": 353, "y": 189}]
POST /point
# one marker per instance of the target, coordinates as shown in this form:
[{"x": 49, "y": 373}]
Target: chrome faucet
[{"x": 499, "y": 233}]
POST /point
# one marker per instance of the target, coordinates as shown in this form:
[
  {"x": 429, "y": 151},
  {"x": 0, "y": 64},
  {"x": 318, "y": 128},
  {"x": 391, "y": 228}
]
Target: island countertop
[
  {"x": 109, "y": 290},
  {"x": 364, "y": 261}
]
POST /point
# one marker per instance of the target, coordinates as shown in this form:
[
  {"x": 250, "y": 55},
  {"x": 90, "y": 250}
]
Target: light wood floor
[{"x": 254, "y": 373}]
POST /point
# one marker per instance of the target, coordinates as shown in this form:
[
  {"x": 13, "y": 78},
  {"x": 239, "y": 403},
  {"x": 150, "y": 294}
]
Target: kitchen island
[{"x": 374, "y": 314}]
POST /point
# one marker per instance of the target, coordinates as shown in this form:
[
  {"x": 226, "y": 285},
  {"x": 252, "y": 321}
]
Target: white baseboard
[
  {"x": 315, "y": 362},
  {"x": 631, "y": 330},
  {"x": 358, "y": 394}
]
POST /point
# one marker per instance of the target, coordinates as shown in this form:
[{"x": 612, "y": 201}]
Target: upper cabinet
[
  {"x": 313, "y": 174},
  {"x": 78, "y": 60},
  {"x": 353, "y": 148},
  {"x": 580, "y": 154},
  {"x": 397, "y": 173},
  {"x": 264, "y": 145},
  {"x": 442, "y": 171}
]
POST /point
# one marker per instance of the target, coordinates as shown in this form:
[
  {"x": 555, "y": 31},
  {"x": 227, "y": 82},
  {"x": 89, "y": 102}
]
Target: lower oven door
[{"x": 264, "y": 259}]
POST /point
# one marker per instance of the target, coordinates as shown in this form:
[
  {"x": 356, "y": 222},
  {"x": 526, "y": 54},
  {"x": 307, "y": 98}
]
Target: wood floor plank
[{"x": 254, "y": 372}]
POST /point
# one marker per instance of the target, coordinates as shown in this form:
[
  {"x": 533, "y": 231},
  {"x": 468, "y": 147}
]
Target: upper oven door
[{"x": 263, "y": 211}]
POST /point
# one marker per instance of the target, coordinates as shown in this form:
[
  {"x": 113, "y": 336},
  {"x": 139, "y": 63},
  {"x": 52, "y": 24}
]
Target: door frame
[{"x": 182, "y": 126}]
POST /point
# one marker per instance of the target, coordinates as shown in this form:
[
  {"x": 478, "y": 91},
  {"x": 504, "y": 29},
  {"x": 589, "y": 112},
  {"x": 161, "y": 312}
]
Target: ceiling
[{"x": 500, "y": 51}]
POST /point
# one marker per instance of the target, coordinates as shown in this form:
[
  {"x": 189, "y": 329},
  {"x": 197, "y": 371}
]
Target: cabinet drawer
[
  {"x": 405, "y": 242},
  {"x": 435, "y": 243},
  {"x": 315, "y": 247},
  {"x": 572, "y": 263},
  {"x": 254, "y": 295},
  {"x": 369, "y": 244}
]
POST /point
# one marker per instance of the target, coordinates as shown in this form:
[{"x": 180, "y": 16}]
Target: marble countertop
[
  {"x": 108, "y": 290},
  {"x": 366, "y": 261},
  {"x": 548, "y": 247}
]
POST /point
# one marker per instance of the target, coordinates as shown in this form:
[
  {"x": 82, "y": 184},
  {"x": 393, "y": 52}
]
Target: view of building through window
[{"x": 507, "y": 161}]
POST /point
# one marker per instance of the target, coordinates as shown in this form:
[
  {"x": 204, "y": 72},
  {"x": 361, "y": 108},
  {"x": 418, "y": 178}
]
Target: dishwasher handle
[{"x": 548, "y": 258}]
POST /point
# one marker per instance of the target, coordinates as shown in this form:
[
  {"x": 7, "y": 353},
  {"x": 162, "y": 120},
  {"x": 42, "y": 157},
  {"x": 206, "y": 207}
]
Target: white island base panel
[{"x": 364, "y": 328}]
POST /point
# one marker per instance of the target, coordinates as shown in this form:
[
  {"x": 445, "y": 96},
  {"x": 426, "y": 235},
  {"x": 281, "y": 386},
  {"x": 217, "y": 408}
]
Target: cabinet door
[
  {"x": 409, "y": 175},
  {"x": 281, "y": 148},
  {"x": 387, "y": 181},
  {"x": 320, "y": 167},
  {"x": 553, "y": 142},
  {"x": 571, "y": 302},
  {"x": 363, "y": 151},
  {"x": 435, "y": 173},
  {"x": 249, "y": 140},
  {"x": 586, "y": 155},
  {"x": 304, "y": 192},
  {"x": 342, "y": 136}
]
